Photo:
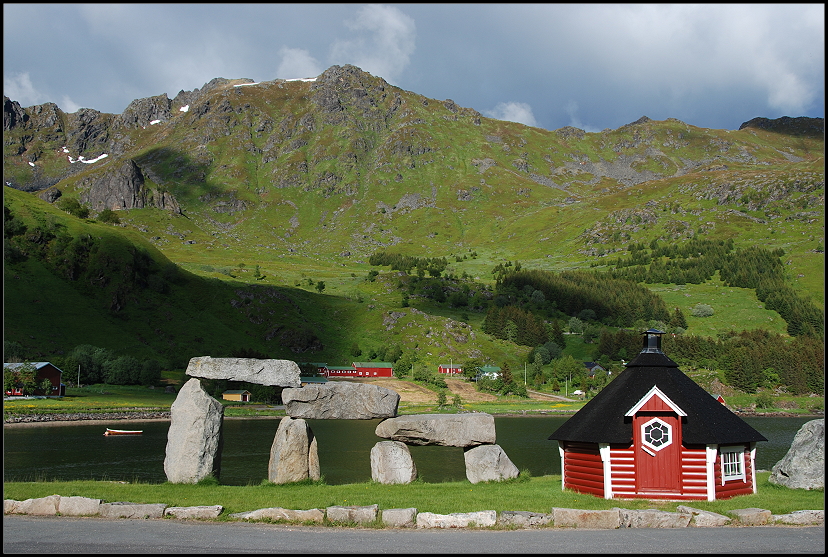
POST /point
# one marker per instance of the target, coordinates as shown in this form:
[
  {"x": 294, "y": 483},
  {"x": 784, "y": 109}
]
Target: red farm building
[
  {"x": 45, "y": 370},
  {"x": 653, "y": 433},
  {"x": 374, "y": 369},
  {"x": 360, "y": 369},
  {"x": 450, "y": 369}
]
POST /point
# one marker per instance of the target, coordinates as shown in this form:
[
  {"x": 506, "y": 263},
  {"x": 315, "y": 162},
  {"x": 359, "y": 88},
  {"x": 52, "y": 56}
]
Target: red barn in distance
[
  {"x": 450, "y": 369},
  {"x": 359, "y": 369},
  {"x": 45, "y": 370},
  {"x": 654, "y": 433}
]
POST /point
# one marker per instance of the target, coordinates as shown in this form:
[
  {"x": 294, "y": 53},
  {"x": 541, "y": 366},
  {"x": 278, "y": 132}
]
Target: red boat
[{"x": 123, "y": 431}]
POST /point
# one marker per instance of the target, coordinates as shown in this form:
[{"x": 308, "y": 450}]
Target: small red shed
[{"x": 654, "y": 433}]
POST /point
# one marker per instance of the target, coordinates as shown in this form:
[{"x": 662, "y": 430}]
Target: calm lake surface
[{"x": 82, "y": 452}]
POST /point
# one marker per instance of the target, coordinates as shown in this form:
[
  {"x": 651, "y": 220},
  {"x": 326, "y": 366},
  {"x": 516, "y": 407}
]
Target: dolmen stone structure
[
  {"x": 194, "y": 441},
  {"x": 340, "y": 401},
  {"x": 475, "y": 433}
]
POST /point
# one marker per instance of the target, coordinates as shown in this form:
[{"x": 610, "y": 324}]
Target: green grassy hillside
[{"x": 232, "y": 214}]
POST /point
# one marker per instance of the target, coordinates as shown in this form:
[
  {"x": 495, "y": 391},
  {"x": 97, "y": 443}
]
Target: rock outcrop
[
  {"x": 391, "y": 463},
  {"x": 340, "y": 401},
  {"x": 804, "y": 465},
  {"x": 447, "y": 430},
  {"x": 194, "y": 440},
  {"x": 294, "y": 455},
  {"x": 280, "y": 373}
]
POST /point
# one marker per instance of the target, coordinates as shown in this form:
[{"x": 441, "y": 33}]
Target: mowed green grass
[{"x": 535, "y": 494}]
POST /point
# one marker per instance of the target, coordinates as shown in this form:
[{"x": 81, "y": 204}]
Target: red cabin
[{"x": 654, "y": 433}]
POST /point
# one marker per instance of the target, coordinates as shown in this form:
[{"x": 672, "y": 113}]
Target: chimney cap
[{"x": 652, "y": 341}]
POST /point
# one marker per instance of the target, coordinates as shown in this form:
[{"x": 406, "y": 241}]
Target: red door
[{"x": 657, "y": 452}]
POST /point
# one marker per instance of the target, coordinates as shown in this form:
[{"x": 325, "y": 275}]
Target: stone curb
[{"x": 614, "y": 518}]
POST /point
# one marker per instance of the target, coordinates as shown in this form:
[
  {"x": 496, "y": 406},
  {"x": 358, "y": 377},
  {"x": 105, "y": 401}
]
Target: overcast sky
[{"x": 592, "y": 66}]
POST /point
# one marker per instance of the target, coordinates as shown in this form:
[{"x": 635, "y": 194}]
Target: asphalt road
[{"x": 32, "y": 534}]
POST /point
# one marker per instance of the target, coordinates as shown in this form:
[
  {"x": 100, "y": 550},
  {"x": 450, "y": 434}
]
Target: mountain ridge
[{"x": 305, "y": 180}]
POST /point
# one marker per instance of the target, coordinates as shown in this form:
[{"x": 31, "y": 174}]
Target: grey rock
[
  {"x": 121, "y": 187},
  {"x": 278, "y": 373},
  {"x": 141, "y": 112},
  {"x": 399, "y": 518},
  {"x": 132, "y": 510},
  {"x": 580, "y": 518},
  {"x": 803, "y": 467},
  {"x": 340, "y": 400},
  {"x": 480, "y": 519},
  {"x": 448, "y": 430},
  {"x": 278, "y": 513},
  {"x": 200, "y": 511},
  {"x": 800, "y": 518},
  {"x": 524, "y": 519},
  {"x": 391, "y": 463},
  {"x": 704, "y": 519},
  {"x": 50, "y": 195},
  {"x": 653, "y": 518},
  {"x": 488, "y": 463},
  {"x": 353, "y": 513},
  {"x": 78, "y": 506},
  {"x": 751, "y": 517},
  {"x": 194, "y": 440},
  {"x": 40, "y": 506},
  {"x": 293, "y": 455}
]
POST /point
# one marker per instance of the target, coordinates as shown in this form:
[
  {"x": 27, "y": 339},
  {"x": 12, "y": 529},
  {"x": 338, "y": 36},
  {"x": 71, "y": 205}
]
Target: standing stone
[
  {"x": 276, "y": 373},
  {"x": 293, "y": 455},
  {"x": 340, "y": 401},
  {"x": 391, "y": 463},
  {"x": 194, "y": 441},
  {"x": 447, "y": 430},
  {"x": 804, "y": 465},
  {"x": 488, "y": 463}
]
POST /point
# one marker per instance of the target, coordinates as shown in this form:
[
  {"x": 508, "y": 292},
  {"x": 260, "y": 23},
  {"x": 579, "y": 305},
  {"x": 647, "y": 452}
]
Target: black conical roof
[{"x": 603, "y": 420}]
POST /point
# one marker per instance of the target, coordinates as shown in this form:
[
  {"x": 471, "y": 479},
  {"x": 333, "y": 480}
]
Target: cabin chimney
[{"x": 652, "y": 342}]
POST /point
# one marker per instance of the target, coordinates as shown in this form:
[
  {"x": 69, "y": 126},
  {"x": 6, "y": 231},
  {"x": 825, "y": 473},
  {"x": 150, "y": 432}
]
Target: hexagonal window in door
[{"x": 656, "y": 434}]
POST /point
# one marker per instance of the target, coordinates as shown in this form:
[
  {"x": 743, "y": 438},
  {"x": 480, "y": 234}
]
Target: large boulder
[
  {"x": 391, "y": 463},
  {"x": 294, "y": 454},
  {"x": 804, "y": 465},
  {"x": 488, "y": 463},
  {"x": 447, "y": 430},
  {"x": 340, "y": 401},
  {"x": 278, "y": 373},
  {"x": 194, "y": 440}
]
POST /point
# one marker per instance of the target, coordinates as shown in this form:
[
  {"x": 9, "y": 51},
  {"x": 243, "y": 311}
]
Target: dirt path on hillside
[{"x": 411, "y": 392}]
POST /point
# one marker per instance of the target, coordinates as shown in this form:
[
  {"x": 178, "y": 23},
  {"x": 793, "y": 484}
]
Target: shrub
[
  {"x": 764, "y": 400},
  {"x": 702, "y": 310}
]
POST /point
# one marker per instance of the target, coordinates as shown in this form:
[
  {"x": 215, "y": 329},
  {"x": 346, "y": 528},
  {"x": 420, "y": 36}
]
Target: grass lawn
[{"x": 536, "y": 494}]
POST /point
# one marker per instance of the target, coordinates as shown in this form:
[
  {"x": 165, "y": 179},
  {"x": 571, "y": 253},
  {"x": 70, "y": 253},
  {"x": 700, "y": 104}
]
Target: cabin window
[{"x": 733, "y": 463}]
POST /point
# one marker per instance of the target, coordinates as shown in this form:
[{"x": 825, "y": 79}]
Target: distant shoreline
[{"x": 33, "y": 420}]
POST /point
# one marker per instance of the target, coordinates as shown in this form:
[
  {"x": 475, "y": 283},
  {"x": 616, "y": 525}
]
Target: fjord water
[{"x": 82, "y": 452}]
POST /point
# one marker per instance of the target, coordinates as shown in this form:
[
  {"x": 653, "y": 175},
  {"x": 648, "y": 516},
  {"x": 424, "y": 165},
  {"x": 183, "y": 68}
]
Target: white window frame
[{"x": 729, "y": 473}]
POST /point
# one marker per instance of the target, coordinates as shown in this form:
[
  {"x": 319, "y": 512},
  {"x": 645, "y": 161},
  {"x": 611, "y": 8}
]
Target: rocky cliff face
[{"x": 123, "y": 187}]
